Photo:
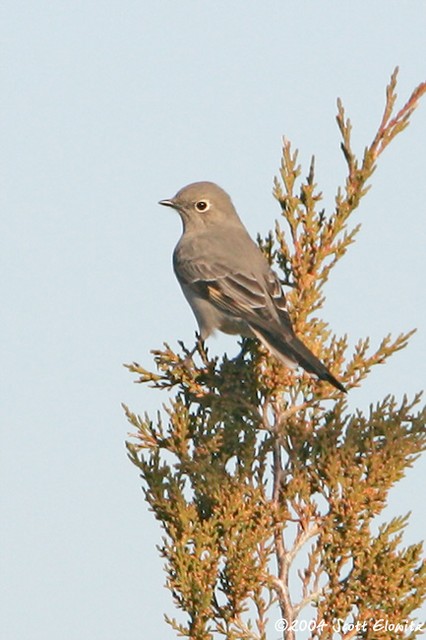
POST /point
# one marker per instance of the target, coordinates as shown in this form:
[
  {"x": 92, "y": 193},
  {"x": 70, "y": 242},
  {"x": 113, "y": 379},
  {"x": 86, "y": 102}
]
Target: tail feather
[{"x": 293, "y": 352}]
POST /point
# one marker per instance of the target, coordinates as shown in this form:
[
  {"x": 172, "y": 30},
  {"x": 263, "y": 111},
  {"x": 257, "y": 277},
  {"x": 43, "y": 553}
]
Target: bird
[{"x": 228, "y": 281}]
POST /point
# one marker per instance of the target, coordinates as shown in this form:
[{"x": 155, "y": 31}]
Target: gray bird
[{"x": 227, "y": 280}]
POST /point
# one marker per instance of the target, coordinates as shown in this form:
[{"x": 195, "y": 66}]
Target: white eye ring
[{"x": 202, "y": 205}]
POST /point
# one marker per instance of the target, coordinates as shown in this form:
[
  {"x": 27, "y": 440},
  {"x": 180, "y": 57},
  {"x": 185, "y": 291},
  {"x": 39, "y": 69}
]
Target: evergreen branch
[
  {"x": 390, "y": 127},
  {"x": 319, "y": 242},
  {"x": 247, "y": 447},
  {"x": 361, "y": 364},
  {"x": 281, "y": 582},
  {"x": 310, "y": 598}
]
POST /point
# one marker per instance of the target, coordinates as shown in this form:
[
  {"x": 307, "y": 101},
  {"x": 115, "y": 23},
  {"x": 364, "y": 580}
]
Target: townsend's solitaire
[{"x": 228, "y": 281}]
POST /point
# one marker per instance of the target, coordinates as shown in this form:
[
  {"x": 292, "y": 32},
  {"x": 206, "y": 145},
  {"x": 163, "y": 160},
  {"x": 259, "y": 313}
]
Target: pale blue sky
[{"x": 106, "y": 108}]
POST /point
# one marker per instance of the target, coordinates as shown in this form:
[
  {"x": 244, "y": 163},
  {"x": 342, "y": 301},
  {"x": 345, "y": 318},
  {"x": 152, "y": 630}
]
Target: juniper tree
[{"x": 250, "y": 463}]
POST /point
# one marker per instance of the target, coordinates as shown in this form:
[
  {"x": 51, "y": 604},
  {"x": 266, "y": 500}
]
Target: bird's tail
[{"x": 293, "y": 352}]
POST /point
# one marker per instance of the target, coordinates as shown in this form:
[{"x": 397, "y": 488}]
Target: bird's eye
[{"x": 201, "y": 205}]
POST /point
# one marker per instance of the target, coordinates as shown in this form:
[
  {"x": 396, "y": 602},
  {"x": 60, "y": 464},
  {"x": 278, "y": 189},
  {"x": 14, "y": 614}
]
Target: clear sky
[{"x": 106, "y": 108}]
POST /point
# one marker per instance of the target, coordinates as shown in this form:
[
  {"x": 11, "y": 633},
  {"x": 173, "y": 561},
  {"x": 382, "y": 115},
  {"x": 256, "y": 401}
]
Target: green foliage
[{"x": 253, "y": 468}]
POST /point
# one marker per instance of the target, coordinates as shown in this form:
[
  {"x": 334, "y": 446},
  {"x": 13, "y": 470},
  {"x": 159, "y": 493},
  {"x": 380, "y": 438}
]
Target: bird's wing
[
  {"x": 256, "y": 297},
  {"x": 259, "y": 301}
]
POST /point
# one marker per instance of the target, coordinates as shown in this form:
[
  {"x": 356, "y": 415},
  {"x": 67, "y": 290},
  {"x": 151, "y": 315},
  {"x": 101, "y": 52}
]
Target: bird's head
[{"x": 203, "y": 204}]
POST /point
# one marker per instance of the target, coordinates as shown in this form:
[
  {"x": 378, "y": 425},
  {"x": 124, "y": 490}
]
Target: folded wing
[{"x": 261, "y": 304}]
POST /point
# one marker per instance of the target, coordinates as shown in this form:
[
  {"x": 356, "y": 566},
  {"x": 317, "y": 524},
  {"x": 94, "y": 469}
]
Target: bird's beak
[{"x": 167, "y": 203}]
